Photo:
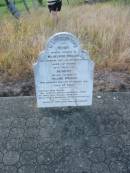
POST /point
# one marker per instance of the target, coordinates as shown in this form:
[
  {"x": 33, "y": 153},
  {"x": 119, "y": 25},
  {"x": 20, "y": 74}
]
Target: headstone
[{"x": 63, "y": 73}]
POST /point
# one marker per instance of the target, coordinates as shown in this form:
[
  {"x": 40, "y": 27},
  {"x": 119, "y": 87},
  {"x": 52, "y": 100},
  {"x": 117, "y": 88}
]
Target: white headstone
[{"x": 63, "y": 73}]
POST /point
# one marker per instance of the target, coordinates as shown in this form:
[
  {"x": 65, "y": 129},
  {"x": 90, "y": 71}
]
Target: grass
[
  {"x": 19, "y": 6},
  {"x": 32, "y": 4},
  {"x": 121, "y": 1},
  {"x": 103, "y": 30}
]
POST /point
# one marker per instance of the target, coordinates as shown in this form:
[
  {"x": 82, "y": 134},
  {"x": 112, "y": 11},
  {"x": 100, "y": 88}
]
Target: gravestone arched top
[
  {"x": 63, "y": 41},
  {"x": 62, "y": 37}
]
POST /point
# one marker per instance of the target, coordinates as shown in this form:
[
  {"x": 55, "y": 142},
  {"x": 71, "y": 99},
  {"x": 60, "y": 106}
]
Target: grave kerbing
[{"x": 63, "y": 73}]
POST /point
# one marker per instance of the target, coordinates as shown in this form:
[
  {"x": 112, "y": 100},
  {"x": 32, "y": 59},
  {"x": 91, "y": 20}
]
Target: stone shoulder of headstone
[{"x": 63, "y": 73}]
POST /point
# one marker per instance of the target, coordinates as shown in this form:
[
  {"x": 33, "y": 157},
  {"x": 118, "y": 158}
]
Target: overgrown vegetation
[
  {"x": 103, "y": 29},
  {"x": 121, "y": 1},
  {"x": 33, "y": 4}
]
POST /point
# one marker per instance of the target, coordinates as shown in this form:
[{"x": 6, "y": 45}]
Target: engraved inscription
[{"x": 63, "y": 75}]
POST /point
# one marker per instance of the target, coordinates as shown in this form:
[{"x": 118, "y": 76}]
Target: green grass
[
  {"x": 18, "y": 3},
  {"x": 21, "y": 8},
  {"x": 118, "y": 2},
  {"x": 121, "y": 1}
]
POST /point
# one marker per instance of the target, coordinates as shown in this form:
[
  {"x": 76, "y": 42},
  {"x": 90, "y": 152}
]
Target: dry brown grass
[{"x": 104, "y": 30}]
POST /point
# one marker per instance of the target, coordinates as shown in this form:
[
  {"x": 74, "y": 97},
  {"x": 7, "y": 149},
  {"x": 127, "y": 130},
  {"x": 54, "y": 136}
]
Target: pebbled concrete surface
[{"x": 92, "y": 139}]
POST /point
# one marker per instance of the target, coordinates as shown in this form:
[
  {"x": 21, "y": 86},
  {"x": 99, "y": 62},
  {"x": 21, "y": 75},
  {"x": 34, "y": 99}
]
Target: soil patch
[{"x": 104, "y": 80}]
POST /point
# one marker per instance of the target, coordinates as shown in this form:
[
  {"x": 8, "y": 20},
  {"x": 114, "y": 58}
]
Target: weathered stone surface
[
  {"x": 13, "y": 144},
  {"x": 5, "y": 123},
  {"x": 31, "y": 132},
  {"x": 18, "y": 123},
  {"x": 69, "y": 140},
  {"x": 4, "y": 132},
  {"x": 32, "y": 122},
  {"x": 10, "y": 169},
  {"x": 100, "y": 168},
  {"x": 97, "y": 155},
  {"x": 63, "y": 73},
  {"x": 28, "y": 157},
  {"x": 17, "y": 132},
  {"x": 1, "y": 156},
  {"x": 29, "y": 142},
  {"x": 27, "y": 169},
  {"x": 118, "y": 167},
  {"x": 11, "y": 158}
]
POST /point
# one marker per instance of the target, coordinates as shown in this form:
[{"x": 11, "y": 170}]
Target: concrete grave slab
[{"x": 92, "y": 139}]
